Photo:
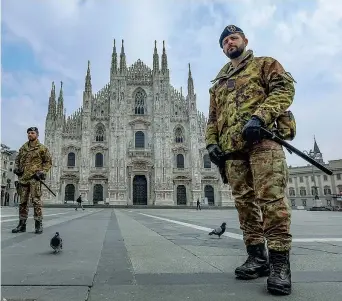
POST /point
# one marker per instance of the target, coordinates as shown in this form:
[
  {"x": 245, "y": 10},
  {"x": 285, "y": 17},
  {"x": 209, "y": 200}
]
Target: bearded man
[{"x": 249, "y": 93}]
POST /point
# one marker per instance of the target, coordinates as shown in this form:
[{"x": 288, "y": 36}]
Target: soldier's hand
[
  {"x": 215, "y": 154},
  {"x": 251, "y": 131},
  {"x": 40, "y": 175}
]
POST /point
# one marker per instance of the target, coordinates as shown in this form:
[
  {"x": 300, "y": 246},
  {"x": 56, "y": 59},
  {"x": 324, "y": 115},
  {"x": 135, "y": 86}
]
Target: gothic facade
[{"x": 136, "y": 141}]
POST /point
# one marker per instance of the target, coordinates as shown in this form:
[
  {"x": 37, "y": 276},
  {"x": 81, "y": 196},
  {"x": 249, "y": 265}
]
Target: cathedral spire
[
  {"x": 317, "y": 153},
  {"x": 88, "y": 87},
  {"x": 60, "y": 105},
  {"x": 316, "y": 148},
  {"x": 122, "y": 58},
  {"x": 52, "y": 101},
  {"x": 164, "y": 60},
  {"x": 191, "y": 89},
  {"x": 155, "y": 59},
  {"x": 114, "y": 64}
]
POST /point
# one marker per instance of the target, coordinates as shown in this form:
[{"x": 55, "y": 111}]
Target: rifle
[
  {"x": 272, "y": 136},
  {"x": 47, "y": 187},
  {"x": 42, "y": 182}
]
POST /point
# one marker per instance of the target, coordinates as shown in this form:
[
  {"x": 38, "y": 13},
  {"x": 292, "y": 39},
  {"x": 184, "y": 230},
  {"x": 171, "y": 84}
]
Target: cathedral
[{"x": 137, "y": 141}]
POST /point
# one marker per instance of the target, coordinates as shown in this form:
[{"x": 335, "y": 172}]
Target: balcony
[
  {"x": 140, "y": 152},
  {"x": 71, "y": 169},
  {"x": 181, "y": 171},
  {"x": 208, "y": 171},
  {"x": 100, "y": 170}
]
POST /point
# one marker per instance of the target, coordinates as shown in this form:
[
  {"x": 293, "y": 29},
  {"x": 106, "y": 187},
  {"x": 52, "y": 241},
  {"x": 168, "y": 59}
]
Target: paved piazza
[{"x": 159, "y": 254}]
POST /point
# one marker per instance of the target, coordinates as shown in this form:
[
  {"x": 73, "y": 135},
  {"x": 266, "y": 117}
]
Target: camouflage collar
[
  {"x": 27, "y": 145},
  {"x": 228, "y": 68}
]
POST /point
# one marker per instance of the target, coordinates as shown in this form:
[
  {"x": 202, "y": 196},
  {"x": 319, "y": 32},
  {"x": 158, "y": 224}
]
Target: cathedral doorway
[
  {"x": 69, "y": 193},
  {"x": 181, "y": 195},
  {"x": 209, "y": 193},
  {"x": 139, "y": 190},
  {"x": 97, "y": 193}
]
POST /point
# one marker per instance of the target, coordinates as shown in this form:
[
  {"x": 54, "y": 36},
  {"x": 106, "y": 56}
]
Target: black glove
[
  {"x": 251, "y": 131},
  {"x": 40, "y": 175},
  {"x": 215, "y": 154},
  {"x": 17, "y": 172}
]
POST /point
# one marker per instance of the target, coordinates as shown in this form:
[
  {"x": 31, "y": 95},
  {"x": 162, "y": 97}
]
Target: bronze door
[
  {"x": 98, "y": 193},
  {"x": 181, "y": 195},
  {"x": 209, "y": 193},
  {"x": 139, "y": 190},
  {"x": 69, "y": 193}
]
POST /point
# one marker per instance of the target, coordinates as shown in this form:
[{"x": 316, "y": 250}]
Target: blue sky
[{"x": 45, "y": 41}]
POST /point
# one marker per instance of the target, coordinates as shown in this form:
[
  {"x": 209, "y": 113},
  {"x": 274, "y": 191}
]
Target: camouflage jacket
[
  {"x": 32, "y": 159},
  {"x": 257, "y": 86}
]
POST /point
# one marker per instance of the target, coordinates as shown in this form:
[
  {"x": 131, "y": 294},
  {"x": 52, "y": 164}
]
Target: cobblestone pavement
[{"x": 158, "y": 254}]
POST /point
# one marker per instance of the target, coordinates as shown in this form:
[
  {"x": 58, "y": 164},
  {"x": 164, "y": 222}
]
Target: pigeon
[
  {"x": 219, "y": 231},
  {"x": 56, "y": 243}
]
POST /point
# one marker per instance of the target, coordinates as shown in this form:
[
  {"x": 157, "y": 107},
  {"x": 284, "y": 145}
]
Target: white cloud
[{"x": 303, "y": 36}]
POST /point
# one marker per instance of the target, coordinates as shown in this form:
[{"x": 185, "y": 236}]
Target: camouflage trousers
[
  {"x": 258, "y": 184},
  {"x": 33, "y": 190}
]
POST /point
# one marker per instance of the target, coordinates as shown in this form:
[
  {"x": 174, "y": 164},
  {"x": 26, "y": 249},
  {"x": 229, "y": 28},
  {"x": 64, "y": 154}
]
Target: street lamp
[{"x": 311, "y": 154}]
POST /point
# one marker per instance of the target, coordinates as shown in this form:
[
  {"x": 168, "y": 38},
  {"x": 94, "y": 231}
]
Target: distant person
[
  {"x": 198, "y": 205},
  {"x": 249, "y": 93},
  {"x": 79, "y": 203}
]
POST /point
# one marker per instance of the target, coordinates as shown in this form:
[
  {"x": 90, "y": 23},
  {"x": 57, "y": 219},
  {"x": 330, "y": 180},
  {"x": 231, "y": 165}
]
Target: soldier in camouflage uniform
[
  {"x": 31, "y": 165},
  {"x": 248, "y": 93}
]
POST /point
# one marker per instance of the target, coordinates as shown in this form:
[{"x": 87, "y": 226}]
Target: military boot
[
  {"x": 39, "y": 226},
  {"x": 21, "y": 227},
  {"x": 256, "y": 265},
  {"x": 279, "y": 281}
]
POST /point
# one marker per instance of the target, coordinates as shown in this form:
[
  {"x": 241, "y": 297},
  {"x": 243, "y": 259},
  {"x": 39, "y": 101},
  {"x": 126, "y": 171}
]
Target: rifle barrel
[
  {"x": 47, "y": 187},
  {"x": 304, "y": 156}
]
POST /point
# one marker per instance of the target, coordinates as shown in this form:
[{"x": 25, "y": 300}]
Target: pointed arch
[
  {"x": 179, "y": 134},
  {"x": 100, "y": 132},
  {"x": 140, "y": 97}
]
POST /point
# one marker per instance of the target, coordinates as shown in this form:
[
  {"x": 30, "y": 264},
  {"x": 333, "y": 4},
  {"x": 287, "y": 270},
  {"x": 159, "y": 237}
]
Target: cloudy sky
[{"x": 45, "y": 41}]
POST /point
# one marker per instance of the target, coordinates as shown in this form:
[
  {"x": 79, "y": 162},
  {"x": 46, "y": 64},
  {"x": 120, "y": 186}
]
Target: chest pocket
[{"x": 32, "y": 155}]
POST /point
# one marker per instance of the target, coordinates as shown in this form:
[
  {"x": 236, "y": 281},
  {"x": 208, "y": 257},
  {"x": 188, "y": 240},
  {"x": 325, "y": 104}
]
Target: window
[
  {"x": 99, "y": 133},
  {"x": 71, "y": 160},
  {"x": 140, "y": 97},
  {"x": 292, "y": 191},
  {"x": 99, "y": 160},
  {"x": 206, "y": 161},
  {"x": 179, "y": 137},
  {"x": 139, "y": 139},
  {"x": 339, "y": 188},
  {"x": 327, "y": 190},
  {"x": 180, "y": 161},
  {"x": 302, "y": 191}
]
